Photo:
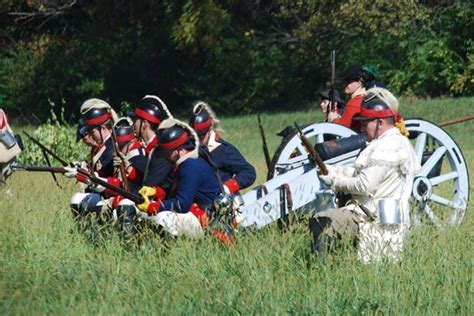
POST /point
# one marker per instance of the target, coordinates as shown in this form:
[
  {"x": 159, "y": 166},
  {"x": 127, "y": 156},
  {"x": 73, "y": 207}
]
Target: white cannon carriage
[{"x": 440, "y": 190}]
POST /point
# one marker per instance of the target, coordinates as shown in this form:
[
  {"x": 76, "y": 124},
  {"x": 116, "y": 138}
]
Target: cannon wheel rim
[
  {"x": 317, "y": 130},
  {"x": 456, "y": 179}
]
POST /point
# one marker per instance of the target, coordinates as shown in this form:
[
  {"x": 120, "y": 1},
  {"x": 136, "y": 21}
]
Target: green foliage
[
  {"x": 430, "y": 68},
  {"x": 240, "y": 56},
  {"x": 464, "y": 82},
  {"x": 200, "y": 26},
  {"x": 57, "y": 136},
  {"x": 17, "y": 72}
]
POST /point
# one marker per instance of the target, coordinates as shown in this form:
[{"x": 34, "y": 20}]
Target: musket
[
  {"x": 45, "y": 150},
  {"x": 264, "y": 143},
  {"x": 332, "y": 93},
  {"x": 311, "y": 151},
  {"x": 137, "y": 199},
  {"x": 48, "y": 162},
  {"x": 125, "y": 193},
  {"x": 39, "y": 168},
  {"x": 122, "y": 170}
]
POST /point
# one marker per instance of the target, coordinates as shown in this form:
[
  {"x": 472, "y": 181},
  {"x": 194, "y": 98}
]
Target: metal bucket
[{"x": 389, "y": 212}]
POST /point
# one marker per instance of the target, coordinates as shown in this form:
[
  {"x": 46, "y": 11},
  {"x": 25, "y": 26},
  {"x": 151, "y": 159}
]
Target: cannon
[{"x": 440, "y": 190}]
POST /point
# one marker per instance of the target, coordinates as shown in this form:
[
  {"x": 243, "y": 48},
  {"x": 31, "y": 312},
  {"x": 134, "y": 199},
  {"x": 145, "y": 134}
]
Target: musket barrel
[
  {"x": 40, "y": 168},
  {"x": 125, "y": 193},
  {"x": 312, "y": 152}
]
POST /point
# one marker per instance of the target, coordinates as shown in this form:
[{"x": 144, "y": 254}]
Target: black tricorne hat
[
  {"x": 326, "y": 95},
  {"x": 358, "y": 72}
]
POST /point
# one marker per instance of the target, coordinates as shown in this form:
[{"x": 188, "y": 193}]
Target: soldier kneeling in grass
[
  {"x": 131, "y": 156},
  {"x": 377, "y": 219},
  {"x": 97, "y": 120},
  {"x": 234, "y": 170},
  {"x": 195, "y": 189}
]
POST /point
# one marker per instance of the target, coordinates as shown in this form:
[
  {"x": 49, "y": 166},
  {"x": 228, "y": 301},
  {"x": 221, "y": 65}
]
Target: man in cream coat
[{"x": 380, "y": 181}]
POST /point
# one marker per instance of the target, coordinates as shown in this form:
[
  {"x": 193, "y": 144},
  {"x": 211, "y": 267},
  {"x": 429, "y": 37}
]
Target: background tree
[{"x": 241, "y": 56}]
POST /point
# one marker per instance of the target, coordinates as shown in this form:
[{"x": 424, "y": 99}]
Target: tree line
[{"x": 240, "y": 56}]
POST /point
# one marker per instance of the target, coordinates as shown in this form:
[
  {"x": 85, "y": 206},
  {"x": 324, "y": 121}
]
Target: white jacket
[{"x": 384, "y": 170}]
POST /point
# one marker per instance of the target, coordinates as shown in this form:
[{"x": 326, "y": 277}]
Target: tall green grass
[{"x": 47, "y": 267}]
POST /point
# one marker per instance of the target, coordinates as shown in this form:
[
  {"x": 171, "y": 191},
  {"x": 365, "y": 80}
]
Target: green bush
[
  {"x": 429, "y": 69},
  {"x": 56, "y": 135}
]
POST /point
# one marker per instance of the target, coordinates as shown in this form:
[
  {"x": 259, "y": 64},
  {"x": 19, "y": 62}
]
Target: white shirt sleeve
[{"x": 366, "y": 182}]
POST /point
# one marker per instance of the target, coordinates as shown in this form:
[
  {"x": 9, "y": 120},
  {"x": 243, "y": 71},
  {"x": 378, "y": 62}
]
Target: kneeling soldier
[
  {"x": 147, "y": 116},
  {"x": 10, "y": 148},
  {"x": 380, "y": 181},
  {"x": 196, "y": 184},
  {"x": 96, "y": 132},
  {"x": 236, "y": 172}
]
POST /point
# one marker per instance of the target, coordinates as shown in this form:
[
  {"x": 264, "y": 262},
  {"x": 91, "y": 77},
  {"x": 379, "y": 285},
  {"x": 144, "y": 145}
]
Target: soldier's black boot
[
  {"x": 126, "y": 217},
  {"x": 321, "y": 242}
]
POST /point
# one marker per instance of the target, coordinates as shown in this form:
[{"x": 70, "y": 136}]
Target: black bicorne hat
[
  {"x": 326, "y": 95},
  {"x": 358, "y": 72}
]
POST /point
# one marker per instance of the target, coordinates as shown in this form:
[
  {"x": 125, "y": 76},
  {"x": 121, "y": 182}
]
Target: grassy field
[{"x": 47, "y": 267}]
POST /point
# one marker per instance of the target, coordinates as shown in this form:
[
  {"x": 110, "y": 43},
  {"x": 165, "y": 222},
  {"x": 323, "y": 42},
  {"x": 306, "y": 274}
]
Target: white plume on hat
[
  {"x": 124, "y": 120},
  {"x": 386, "y": 96},
  {"x": 172, "y": 122}
]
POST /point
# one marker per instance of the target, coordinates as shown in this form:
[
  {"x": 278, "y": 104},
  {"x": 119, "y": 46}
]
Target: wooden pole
[{"x": 456, "y": 120}]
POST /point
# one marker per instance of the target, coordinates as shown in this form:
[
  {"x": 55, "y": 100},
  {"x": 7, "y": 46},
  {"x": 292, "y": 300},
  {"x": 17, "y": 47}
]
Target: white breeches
[
  {"x": 88, "y": 202},
  {"x": 177, "y": 224}
]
